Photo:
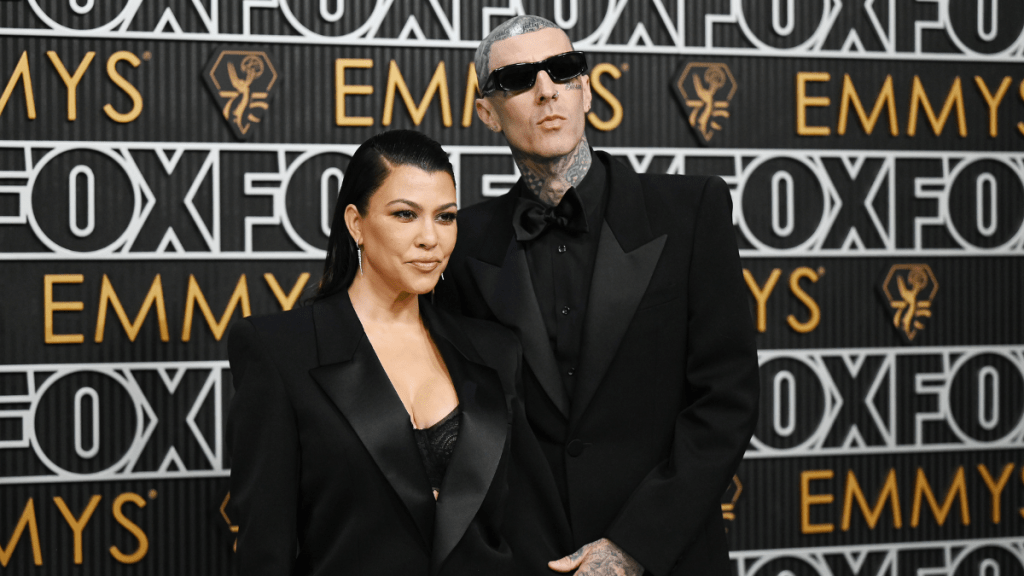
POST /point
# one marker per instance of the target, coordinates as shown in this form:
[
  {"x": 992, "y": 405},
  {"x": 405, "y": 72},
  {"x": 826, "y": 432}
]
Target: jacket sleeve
[
  {"x": 264, "y": 458},
  {"x": 669, "y": 508}
]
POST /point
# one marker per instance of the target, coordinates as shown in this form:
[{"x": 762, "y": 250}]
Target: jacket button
[{"x": 574, "y": 448}]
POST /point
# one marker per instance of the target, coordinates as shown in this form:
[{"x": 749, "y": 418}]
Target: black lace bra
[{"x": 436, "y": 444}]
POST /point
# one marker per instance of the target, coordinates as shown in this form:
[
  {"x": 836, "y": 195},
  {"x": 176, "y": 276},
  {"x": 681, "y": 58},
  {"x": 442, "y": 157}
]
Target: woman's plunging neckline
[{"x": 436, "y": 444}]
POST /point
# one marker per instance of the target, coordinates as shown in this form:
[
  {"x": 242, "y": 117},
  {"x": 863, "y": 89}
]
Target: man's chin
[{"x": 550, "y": 149}]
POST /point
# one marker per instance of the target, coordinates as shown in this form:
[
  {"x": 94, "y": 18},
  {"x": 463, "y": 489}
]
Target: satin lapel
[
  {"x": 622, "y": 272},
  {"x": 478, "y": 450},
  {"x": 509, "y": 293},
  {"x": 360, "y": 388},
  {"x": 482, "y": 431}
]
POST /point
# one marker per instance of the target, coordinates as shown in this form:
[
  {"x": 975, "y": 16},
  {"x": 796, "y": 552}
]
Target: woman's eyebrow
[
  {"x": 403, "y": 200},
  {"x": 447, "y": 206}
]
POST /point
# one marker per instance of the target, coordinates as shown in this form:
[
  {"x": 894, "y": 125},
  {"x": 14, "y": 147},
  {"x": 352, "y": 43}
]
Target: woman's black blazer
[{"x": 326, "y": 477}]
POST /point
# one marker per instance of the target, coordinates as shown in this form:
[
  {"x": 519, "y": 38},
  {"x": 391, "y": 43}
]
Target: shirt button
[
  {"x": 572, "y": 371},
  {"x": 565, "y": 310},
  {"x": 562, "y": 249},
  {"x": 575, "y": 448}
]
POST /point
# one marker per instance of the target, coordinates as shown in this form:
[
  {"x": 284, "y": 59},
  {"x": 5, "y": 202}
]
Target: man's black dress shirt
[{"x": 561, "y": 265}]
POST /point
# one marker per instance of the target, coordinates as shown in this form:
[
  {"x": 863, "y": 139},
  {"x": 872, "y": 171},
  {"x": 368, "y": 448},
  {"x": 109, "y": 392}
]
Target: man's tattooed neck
[{"x": 549, "y": 180}]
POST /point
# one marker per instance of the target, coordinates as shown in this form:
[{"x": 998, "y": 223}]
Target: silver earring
[
  {"x": 442, "y": 275},
  {"x": 359, "y": 254},
  {"x": 555, "y": 95}
]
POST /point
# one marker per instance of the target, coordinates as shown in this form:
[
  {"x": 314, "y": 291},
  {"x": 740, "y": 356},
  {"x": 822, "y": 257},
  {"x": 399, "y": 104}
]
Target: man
[{"x": 640, "y": 372}]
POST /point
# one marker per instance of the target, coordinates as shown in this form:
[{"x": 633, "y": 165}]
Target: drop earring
[
  {"x": 359, "y": 255},
  {"x": 442, "y": 275}
]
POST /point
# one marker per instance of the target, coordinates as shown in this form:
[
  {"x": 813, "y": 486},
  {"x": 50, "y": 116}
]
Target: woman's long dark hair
[{"x": 366, "y": 172}]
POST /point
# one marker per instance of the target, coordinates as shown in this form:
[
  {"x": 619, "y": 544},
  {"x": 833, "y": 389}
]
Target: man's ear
[
  {"x": 587, "y": 96},
  {"x": 354, "y": 223},
  {"x": 486, "y": 113}
]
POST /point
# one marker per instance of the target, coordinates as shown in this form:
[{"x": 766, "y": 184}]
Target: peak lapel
[
  {"x": 353, "y": 378},
  {"x": 627, "y": 254},
  {"x": 474, "y": 462},
  {"x": 509, "y": 293},
  {"x": 482, "y": 432}
]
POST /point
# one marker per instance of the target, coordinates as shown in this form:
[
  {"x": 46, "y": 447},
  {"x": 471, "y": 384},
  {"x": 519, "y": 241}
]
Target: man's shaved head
[
  {"x": 513, "y": 27},
  {"x": 544, "y": 122}
]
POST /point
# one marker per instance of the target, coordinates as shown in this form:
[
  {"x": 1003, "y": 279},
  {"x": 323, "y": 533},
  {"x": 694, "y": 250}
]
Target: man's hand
[{"x": 599, "y": 558}]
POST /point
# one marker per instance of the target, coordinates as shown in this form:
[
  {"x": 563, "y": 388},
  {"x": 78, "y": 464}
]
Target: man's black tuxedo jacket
[
  {"x": 326, "y": 477},
  {"x": 667, "y": 391}
]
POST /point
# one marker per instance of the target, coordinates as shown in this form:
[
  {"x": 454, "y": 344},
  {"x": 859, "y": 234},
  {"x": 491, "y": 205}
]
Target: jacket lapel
[
  {"x": 503, "y": 277},
  {"x": 627, "y": 254},
  {"x": 482, "y": 433},
  {"x": 353, "y": 378}
]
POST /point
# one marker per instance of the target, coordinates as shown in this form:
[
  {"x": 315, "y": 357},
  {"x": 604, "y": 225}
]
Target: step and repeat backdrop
[{"x": 169, "y": 166}]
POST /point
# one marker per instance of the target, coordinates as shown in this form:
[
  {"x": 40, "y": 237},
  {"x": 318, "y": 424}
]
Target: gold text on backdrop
[
  {"x": 943, "y": 106},
  {"x": 22, "y": 74}
]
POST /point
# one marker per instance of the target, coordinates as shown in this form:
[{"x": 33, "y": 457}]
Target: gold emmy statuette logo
[
  {"x": 241, "y": 82},
  {"x": 704, "y": 89},
  {"x": 910, "y": 290}
]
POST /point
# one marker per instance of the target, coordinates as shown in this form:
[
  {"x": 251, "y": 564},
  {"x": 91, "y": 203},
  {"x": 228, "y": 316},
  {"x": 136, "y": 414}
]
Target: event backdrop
[{"x": 169, "y": 166}]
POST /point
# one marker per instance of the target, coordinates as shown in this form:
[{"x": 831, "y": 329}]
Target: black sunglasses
[{"x": 561, "y": 68}]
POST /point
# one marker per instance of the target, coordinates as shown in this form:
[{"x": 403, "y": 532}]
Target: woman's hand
[{"x": 599, "y": 558}]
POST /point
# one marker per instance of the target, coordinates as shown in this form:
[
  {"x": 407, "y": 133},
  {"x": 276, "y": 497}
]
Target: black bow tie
[{"x": 532, "y": 217}]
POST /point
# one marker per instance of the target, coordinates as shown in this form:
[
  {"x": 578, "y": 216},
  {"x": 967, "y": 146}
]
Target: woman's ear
[{"x": 354, "y": 223}]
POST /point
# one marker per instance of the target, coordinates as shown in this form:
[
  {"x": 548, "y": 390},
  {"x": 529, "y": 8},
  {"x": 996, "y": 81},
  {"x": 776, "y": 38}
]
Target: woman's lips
[{"x": 425, "y": 265}]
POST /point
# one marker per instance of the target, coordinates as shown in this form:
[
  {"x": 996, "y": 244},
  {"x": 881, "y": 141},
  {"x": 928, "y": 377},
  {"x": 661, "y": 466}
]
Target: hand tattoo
[
  {"x": 603, "y": 558},
  {"x": 549, "y": 180}
]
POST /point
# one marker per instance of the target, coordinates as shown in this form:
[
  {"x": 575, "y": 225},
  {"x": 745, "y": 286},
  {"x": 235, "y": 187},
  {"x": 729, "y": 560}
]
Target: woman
[{"x": 370, "y": 432}]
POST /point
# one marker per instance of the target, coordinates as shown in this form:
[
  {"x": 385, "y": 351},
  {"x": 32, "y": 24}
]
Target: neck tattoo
[{"x": 550, "y": 179}]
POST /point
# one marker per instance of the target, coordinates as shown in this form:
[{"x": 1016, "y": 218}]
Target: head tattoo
[{"x": 513, "y": 27}]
